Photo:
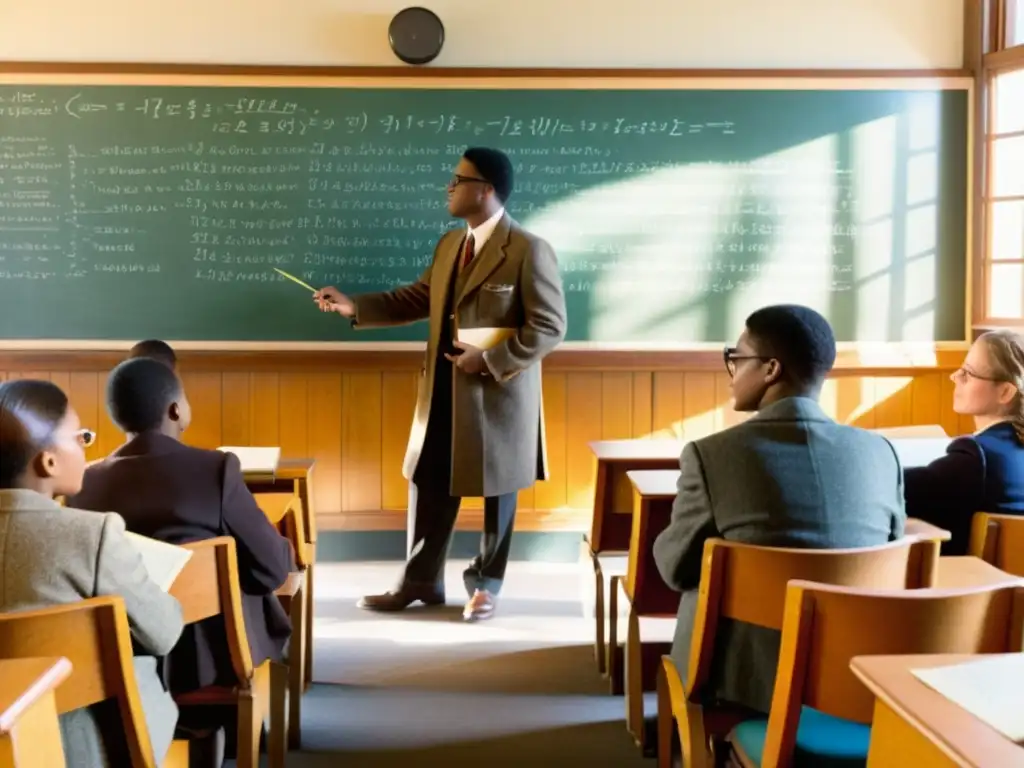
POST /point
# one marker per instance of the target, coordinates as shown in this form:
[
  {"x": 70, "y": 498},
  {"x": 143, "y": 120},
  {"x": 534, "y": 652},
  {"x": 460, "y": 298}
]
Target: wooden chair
[
  {"x": 29, "y": 729},
  {"x": 208, "y": 586},
  {"x": 93, "y": 636},
  {"x": 826, "y": 626},
  {"x": 295, "y": 477},
  {"x": 285, "y": 512},
  {"x": 999, "y": 540},
  {"x": 748, "y": 583},
  {"x": 605, "y": 549}
]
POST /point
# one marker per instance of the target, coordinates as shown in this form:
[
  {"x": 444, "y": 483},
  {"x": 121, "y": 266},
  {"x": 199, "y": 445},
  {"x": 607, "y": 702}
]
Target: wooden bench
[
  {"x": 29, "y": 729},
  {"x": 605, "y": 548},
  {"x": 295, "y": 477}
]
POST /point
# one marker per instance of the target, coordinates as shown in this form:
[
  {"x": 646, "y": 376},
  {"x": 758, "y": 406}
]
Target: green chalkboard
[{"x": 133, "y": 211}]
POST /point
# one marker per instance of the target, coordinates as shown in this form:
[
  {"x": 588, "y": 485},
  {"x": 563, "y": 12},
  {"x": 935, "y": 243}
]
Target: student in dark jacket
[
  {"x": 176, "y": 493},
  {"x": 155, "y": 349},
  {"x": 983, "y": 472}
]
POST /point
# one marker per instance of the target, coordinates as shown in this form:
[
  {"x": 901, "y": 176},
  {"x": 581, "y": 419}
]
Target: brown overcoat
[{"x": 498, "y": 421}]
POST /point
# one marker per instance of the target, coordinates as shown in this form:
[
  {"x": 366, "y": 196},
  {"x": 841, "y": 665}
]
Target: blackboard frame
[{"x": 254, "y": 77}]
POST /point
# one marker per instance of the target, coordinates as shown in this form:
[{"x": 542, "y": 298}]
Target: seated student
[
  {"x": 787, "y": 477},
  {"x": 51, "y": 555},
  {"x": 155, "y": 349},
  {"x": 176, "y": 493},
  {"x": 983, "y": 472}
]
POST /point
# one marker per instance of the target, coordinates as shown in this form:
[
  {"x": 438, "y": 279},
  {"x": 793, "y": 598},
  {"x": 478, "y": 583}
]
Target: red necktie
[{"x": 467, "y": 252}]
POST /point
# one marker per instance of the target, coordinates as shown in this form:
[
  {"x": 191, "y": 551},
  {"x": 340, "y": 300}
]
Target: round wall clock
[{"x": 416, "y": 35}]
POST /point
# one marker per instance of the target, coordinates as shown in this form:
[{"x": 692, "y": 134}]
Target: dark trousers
[{"x": 434, "y": 510}]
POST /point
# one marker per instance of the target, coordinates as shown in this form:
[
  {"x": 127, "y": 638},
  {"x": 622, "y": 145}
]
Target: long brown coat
[{"x": 498, "y": 423}]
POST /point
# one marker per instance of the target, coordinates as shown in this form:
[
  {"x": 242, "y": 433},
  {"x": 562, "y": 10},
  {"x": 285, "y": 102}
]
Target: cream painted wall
[{"x": 513, "y": 33}]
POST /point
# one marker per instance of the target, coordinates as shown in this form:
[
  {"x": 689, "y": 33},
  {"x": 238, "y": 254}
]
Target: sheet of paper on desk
[
  {"x": 991, "y": 689},
  {"x": 485, "y": 338},
  {"x": 255, "y": 459},
  {"x": 163, "y": 561},
  {"x": 919, "y": 451}
]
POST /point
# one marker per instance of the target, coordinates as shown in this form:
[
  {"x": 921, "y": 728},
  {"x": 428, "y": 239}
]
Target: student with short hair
[
  {"x": 789, "y": 476},
  {"x": 51, "y": 555},
  {"x": 983, "y": 472},
  {"x": 155, "y": 349},
  {"x": 176, "y": 493}
]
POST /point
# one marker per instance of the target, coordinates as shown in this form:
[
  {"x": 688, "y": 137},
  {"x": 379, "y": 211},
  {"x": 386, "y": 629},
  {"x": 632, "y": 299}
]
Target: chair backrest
[
  {"x": 208, "y": 586},
  {"x": 825, "y": 626},
  {"x": 999, "y": 540},
  {"x": 748, "y": 583},
  {"x": 285, "y": 512},
  {"x": 94, "y": 636}
]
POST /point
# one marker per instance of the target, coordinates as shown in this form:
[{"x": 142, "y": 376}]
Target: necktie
[{"x": 467, "y": 252}]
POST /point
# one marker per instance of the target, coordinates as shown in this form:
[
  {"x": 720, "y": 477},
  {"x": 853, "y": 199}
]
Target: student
[
  {"x": 51, "y": 555},
  {"x": 176, "y": 493},
  {"x": 155, "y": 349},
  {"x": 983, "y": 472},
  {"x": 787, "y": 477}
]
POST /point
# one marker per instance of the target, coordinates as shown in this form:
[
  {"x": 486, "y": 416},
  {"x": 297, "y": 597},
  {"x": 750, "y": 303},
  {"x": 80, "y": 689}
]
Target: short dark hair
[
  {"x": 139, "y": 392},
  {"x": 799, "y": 338},
  {"x": 30, "y": 412},
  {"x": 495, "y": 167},
  {"x": 155, "y": 350}
]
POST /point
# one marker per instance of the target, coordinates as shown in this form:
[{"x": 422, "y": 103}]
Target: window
[
  {"x": 1004, "y": 266},
  {"x": 1014, "y": 23}
]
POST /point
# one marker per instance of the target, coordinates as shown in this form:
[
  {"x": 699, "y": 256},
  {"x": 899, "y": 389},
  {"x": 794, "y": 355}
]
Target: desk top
[
  {"x": 925, "y": 531},
  {"x": 655, "y": 482},
  {"x": 951, "y": 728},
  {"x": 287, "y": 469},
  {"x": 23, "y": 682},
  {"x": 637, "y": 450},
  {"x": 970, "y": 571}
]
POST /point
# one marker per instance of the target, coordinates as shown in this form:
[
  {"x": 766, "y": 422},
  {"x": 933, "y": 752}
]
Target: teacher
[{"x": 479, "y": 423}]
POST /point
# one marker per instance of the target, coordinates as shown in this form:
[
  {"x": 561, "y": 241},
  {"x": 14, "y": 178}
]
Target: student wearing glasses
[
  {"x": 983, "y": 472},
  {"x": 50, "y": 555},
  {"x": 789, "y": 476}
]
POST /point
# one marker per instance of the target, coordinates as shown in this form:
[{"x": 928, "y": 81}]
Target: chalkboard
[{"x": 130, "y": 211}]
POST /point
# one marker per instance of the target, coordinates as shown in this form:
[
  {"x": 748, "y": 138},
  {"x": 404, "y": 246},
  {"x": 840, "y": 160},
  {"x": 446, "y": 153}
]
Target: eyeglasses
[
  {"x": 730, "y": 357},
  {"x": 963, "y": 373},
  {"x": 460, "y": 179},
  {"x": 85, "y": 437}
]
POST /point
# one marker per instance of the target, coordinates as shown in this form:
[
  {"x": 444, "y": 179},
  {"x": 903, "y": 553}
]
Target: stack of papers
[
  {"x": 163, "y": 561},
  {"x": 991, "y": 689},
  {"x": 920, "y": 451},
  {"x": 255, "y": 460}
]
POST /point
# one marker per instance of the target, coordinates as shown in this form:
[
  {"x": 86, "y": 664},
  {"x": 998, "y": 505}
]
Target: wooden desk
[
  {"x": 29, "y": 730},
  {"x": 295, "y": 477},
  {"x": 969, "y": 571},
  {"x": 915, "y": 725},
  {"x": 654, "y": 491},
  {"x": 604, "y": 549}
]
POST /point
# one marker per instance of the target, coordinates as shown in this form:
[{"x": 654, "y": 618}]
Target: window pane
[
  {"x": 1006, "y": 290},
  {"x": 1014, "y": 22},
  {"x": 1008, "y": 166},
  {"x": 1007, "y": 230},
  {"x": 1008, "y": 91}
]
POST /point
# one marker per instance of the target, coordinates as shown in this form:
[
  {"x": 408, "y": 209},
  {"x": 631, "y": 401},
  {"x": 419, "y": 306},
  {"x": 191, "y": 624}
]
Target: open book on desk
[
  {"x": 255, "y": 460},
  {"x": 485, "y": 338},
  {"x": 163, "y": 561}
]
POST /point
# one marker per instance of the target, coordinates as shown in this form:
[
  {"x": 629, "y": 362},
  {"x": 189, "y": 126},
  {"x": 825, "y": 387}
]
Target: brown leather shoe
[
  {"x": 479, "y": 607},
  {"x": 400, "y": 599}
]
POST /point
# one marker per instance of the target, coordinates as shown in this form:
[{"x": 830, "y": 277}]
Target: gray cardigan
[{"x": 49, "y": 556}]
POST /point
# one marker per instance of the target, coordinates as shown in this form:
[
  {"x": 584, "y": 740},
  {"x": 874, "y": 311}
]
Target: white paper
[
  {"x": 484, "y": 338},
  {"x": 920, "y": 451},
  {"x": 991, "y": 689},
  {"x": 919, "y": 430},
  {"x": 163, "y": 561},
  {"x": 254, "y": 459}
]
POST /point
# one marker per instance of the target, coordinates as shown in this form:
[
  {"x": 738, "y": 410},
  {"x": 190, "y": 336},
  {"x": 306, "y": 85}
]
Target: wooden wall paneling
[
  {"x": 616, "y": 405},
  {"x": 667, "y": 404},
  {"x": 236, "y": 411},
  {"x": 643, "y": 382},
  {"x": 361, "y": 425},
  {"x": 265, "y": 409},
  {"x": 293, "y": 418},
  {"x": 324, "y": 414},
  {"x": 551, "y": 493},
  {"x": 204, "y": 392},
  {"x": 700, "y": 405},
  {"x": 583, "y": 424},
  {"x": 892, "y": 405},
  {"x": 398, "y": 405},
  {"x": 926, "y": 404},
  {"x": 83, "y": 392}
]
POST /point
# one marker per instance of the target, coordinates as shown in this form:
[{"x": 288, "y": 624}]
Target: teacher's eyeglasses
[
  {"x": 460, "y": 179},
  {"x": 730, "y": 357}
]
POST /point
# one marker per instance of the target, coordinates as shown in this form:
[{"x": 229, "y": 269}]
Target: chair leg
[
  {"x": 277, "y": 728},
  {"x": 665, "y": 723},
  {"x": 297, "y": 670},
  {"x": 249, "y": 721},
  {"x": 600, "y": 648},
  {"x": 634, "y": 678},
  {"x": 614, "y": 668},
  {"x": 308, "y": 670}
]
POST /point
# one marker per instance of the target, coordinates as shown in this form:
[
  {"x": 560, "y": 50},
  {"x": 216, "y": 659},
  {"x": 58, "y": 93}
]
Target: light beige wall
[{"x": 511, "y": 33}]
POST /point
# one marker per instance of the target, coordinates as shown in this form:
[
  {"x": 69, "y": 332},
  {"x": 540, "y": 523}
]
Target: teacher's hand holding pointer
[{"x": 330, "y": 299}]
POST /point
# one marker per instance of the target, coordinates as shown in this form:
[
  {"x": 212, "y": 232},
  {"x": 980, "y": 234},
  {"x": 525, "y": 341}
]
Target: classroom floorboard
[{"x": 519, "y": 690}]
